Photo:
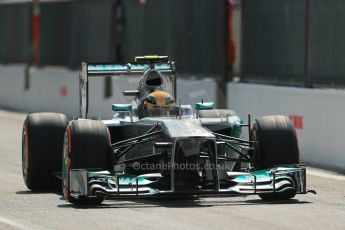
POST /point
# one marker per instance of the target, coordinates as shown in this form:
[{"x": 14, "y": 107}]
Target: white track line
[
  {"x": 13, "y": 224},
  {"x": 325, "y": 174}
]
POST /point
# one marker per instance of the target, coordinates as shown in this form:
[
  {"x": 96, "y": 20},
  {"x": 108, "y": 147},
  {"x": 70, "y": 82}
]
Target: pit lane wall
[
  {"x": 57, "y": 90},
  {"x": 318, "y": 115}
]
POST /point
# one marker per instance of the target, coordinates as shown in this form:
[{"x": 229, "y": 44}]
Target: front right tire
[{"x": 86, "y": 146}]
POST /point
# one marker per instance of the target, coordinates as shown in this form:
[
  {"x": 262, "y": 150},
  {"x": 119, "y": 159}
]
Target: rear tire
[
  {"x": 216, "y": 113},
  {"x": 86, "y": 146},
  {"x": 42, "y": 142},
  {"x": 221, "y": 113},
  {"x": 277, "y": 145}
]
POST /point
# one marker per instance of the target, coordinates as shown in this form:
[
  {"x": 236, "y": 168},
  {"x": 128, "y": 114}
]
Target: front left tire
[{"x": 276, "y": 145}]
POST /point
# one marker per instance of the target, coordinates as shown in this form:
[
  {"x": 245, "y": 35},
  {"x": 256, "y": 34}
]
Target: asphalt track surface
[{"x": 22, "y": 209}]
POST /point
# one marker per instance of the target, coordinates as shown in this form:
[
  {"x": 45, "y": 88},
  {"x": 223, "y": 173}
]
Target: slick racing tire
[
  {"x": 42, "y": 142},
  {"x": 216, "y": 113},
  {"x": 86, "y": 146},
  {"x": 276, "y": 145},
  {"x": 220, "y": 113}
]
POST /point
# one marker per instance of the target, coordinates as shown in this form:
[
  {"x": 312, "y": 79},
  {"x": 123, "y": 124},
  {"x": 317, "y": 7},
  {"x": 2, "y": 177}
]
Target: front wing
[{"x": 93, "y": 183}]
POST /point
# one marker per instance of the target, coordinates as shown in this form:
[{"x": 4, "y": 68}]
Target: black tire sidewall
[
  {"x": 42, "y": 141},
  {"x": 277, "y": 142},
  {"x": 87, "y": 146},
  {"x": 276, "y": 145}
]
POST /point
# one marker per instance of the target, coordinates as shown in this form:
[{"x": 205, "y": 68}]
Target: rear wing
[{"x": 140, "y": 66}]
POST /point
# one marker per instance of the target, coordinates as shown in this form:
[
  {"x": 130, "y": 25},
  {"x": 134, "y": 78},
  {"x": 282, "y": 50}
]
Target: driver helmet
[{"x": 158, "y": 98}]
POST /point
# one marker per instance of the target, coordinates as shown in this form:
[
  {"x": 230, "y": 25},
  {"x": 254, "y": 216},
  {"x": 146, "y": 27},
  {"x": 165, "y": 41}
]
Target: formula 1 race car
[{"x": 155, "y": 146}]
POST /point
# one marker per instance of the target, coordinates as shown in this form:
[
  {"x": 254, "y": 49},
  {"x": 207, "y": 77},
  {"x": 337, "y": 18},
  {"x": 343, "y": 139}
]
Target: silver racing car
[{"x": 156, "y": 146}]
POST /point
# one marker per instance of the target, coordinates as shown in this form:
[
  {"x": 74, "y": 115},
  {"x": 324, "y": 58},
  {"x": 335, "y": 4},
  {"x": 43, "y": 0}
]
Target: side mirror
[
  {"x": 204, "y": 106},
  {"x": 132, "y": 93},
  {"x": 122, "y": 107}
]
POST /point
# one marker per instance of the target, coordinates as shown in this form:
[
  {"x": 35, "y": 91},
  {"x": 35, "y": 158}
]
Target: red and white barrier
[{"x": 318, "y": 115}]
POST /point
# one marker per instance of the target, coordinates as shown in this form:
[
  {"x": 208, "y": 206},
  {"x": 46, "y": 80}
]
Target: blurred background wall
[
  {"x": 191, "y": 32},
  {"x": 294, "y": 42},
  {"x": 287, "y": 42}
]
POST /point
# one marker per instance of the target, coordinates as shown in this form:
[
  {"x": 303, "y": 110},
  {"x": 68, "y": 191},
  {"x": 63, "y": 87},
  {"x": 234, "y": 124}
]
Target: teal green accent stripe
[
  {"x": 122, "y": 107},
  {"x": 204, "y": 106}
]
